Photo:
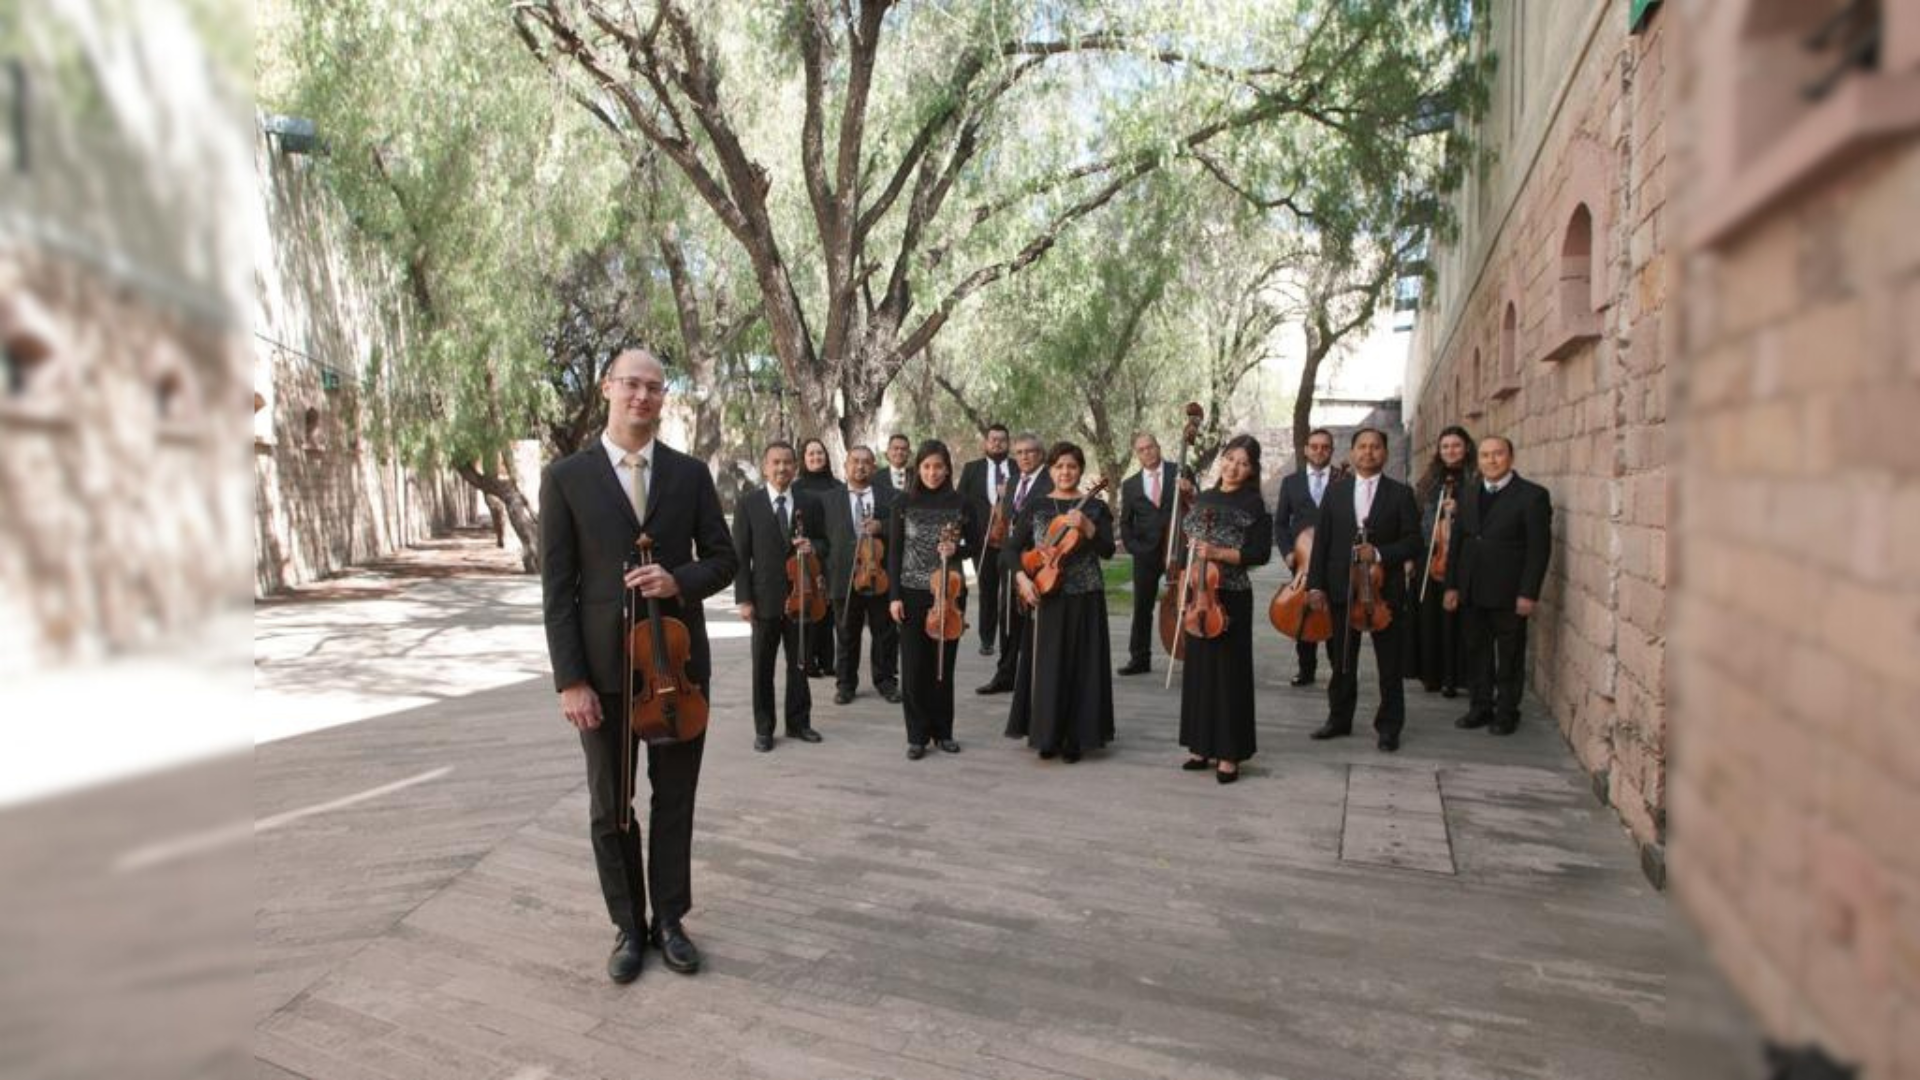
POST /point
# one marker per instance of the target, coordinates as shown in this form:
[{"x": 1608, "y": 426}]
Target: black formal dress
[
  {"x": 1502, "y": 543},
  {"x": 1393, "y": 527},
  {"x": 1063, "y": 691},
  {"x": 913, "y": 557},
  {"x": 822, "y": 640},
  {"x": 1143, "y": 532},
  {"x": 1440, "y": 649},
  {"x": 587, "y": 530},
  {"x": 762, "y": 532},
  {"x": 1216, "y": 680},
  {"x": 1295, "y": 512},
  {"x": 980, "y": 481},
  {"x": 855, "y": 612},
  {"x": 1013, "y": 615}
]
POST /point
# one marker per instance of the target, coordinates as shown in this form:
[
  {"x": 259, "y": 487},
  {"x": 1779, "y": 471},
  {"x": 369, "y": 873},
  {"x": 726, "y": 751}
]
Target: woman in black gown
[
  {"x": 816, "y": 479},
  {"x": 1441, "y": 650},
  {"x": 1228, "y": 524},
  {"x": 914, "y": 550},
  {"x": 1063, "y": 691}
]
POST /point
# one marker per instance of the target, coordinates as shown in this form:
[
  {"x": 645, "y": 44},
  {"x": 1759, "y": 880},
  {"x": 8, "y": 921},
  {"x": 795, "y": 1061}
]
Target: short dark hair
[
  {"x": 899, "y": 437},
  {"x": 1064, "y": 448},
  {"x": 1503, "y": 439},
  {"x": 861, "y": 448},
  {"x": 1355, "y": 441},
  {"x": 1320, "y": 431},
  {"x": 999, "y": 427},
  {"x": 778, "y": 444}
]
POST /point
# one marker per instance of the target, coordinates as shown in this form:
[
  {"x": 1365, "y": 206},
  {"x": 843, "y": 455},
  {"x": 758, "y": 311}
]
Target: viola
[
  {"x": 1367, "y": 609},
  {"x": 869, "y": 559},
  {"x": 1045, "y": 561},
  {"x": 664, "y": 705},
  {"x": 946, "y": 619},
  {"x": 1289, "y": 611}
]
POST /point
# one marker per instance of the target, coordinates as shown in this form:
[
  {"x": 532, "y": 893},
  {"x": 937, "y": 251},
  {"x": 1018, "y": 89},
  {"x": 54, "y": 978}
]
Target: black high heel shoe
[
  {"x": 1195, "y": 764},
  {"x": 1226, "y": 777}
]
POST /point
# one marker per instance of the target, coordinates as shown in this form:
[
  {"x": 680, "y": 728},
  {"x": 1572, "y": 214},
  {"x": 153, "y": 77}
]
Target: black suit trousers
[
  {"x": 673, "y": 775},
  {"x": 1497, "y": 659},
  {"x": 1343, "y": 691},
  {"x": 1148, "y": 577},
  {"x": 986, "y": 573},
  {"x": 771, "y": 637},
  {"x": 855, "y": 613}
]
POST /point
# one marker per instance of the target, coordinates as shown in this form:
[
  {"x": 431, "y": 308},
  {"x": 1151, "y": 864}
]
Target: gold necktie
[{"x": 638, "y": 492}]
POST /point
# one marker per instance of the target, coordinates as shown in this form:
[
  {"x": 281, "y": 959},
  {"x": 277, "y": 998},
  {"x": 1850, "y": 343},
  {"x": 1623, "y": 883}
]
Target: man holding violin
[
  {"x": 1028, "y": 481},
  {"x": 1145, "y": 503},
  {"x": 857, "y": 578},
  {"x": 593, "y": 507},
  {"x": 1503, "y": 536},
  {"x": 1369, "y": 529},
  {"x": 772, "y": 525},
  {"x": 981, "y": 481}
]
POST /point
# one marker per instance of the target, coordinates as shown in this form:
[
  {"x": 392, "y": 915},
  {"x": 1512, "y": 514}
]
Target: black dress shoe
[
  {"x": 1304, "y": 678},
  {"x": 1135, "y": 667},
  {"x": 1388, "y": 743},
  {"x": 1226, "y": 777},
  {"x": 1471, "y": 721},
  {"x": 762, "y": 743},
  {"x": 1331, "y": 730},
  {"x": 843, "y": 697},
  {"x": 623, "y": 964},
  {"x": 986, "y": 648},
  {"x": 947, "y": 745},
  {"x": 677, "y": 948},
  {"x": 805, "y": 734},
  {"x": 1503, "y": 727},
  {"x": 995, "y": 686},
  {"x": 1195, "y": 764},
  {"x": 1047, "y": 755},
  {"x": 915, "y": 753},
  {"x": 892, "y": 694},
  {"x": 1449, "y": 691},
  {"x": 1070, "y": 755}
]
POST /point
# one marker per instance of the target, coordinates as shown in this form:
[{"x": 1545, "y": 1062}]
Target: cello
[
  {"x": 663, "y": 705},
  {"x": 806, "y": 586},
  {"x": 1044, "y": 561},
  {"x": 946, "y": 619},
  {"x": 1289, "y": 611}
]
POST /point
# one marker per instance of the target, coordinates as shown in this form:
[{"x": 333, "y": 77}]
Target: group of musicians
[{"x": 1441, "y": 576}]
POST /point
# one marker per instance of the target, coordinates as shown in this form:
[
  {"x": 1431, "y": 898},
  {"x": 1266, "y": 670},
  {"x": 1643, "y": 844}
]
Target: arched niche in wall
[
  {"x": 1581, "y": 255},
  {"x": 32, "y": 360},
  {"x": 1507, "y": 365}
]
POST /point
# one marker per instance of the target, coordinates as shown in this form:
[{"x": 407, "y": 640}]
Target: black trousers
[
  {"x": 926, "y": 701},
  {"x": 1497, "y": 652},
  {"x": 1343, "y": 691},
  {"x": 673, "y": 774},
  {"x": 823, "y": 641},
  {"x": 1148, "y": 578},
  {"x": 771, "y": 637},
  {"x": 1013, "y": 633},
  {"x": 853, "y": 614},
  {"x": 1306, "y": 655},
  {"x": 987, "y": 575}
]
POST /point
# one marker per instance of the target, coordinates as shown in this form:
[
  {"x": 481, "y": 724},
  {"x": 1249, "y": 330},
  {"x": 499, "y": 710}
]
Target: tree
[{"x": 913, "y": 147}]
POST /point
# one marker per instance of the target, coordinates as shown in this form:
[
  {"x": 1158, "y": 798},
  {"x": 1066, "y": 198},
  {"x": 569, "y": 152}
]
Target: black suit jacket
[
  {"x": 1393, "y": 526},
  {"x": 979, "y": 491},
  {"x": 1499, "y": 553},
  {"x": 1294, "y": 511},
  {"x": 883, "y": 477},
  {"x": 1143, "y": 526},
  {"x": 838, "y": 508},
  {"x": 764, "y": 547},
  {"x": 587, "y": 530}
]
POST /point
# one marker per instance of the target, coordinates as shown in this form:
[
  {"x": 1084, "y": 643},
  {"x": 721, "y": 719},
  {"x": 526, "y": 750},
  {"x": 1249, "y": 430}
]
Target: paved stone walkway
[{"x": 426, "y": 905}]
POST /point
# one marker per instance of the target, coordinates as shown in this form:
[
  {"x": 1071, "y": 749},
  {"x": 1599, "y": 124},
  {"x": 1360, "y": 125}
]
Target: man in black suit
[
  {"x": 593, "y": 506},
  {"x": 765, "y": 535},
  {"x": 1386, "y": 509},
  {"x": 899, "y": 458},
  {"x": 859, "y": 507},
  {"x": 1146, "y": 500},
  {"x": 980, "y": 483},
  {"x": 1502, "y": 538},
  {"x": 1298, "y": 509},
  {"x": 1029, "y": 480}
]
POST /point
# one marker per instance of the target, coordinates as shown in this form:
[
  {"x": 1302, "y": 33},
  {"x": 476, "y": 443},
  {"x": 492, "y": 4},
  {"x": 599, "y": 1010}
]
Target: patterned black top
[
  {"x": 913, "y": 538},
  {"x": 1081, "y": 571},
  {"x": 1238, "y": 519}
]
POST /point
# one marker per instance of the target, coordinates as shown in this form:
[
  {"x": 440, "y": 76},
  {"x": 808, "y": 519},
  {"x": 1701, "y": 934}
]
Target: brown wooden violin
[
  {"x": 1441, "y": 541},
  {"x": 1170, "y": 597},
  {"x": 1367, "y": 608},
  {"x": 806, "y": 586},
  {"x": 869, "y": 559},
  {"x": 1045, "y": 561},
  {"x": 1203, "y": 617},
  {"x": 946, "y": 619},
  {"x": 998, "y": 522},
  {"x": 664, "y": 705},
  {"x": 1289, "y": 611}
]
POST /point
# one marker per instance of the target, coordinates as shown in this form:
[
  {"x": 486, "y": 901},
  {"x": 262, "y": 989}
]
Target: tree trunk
[{"x": 526, "y": 525}]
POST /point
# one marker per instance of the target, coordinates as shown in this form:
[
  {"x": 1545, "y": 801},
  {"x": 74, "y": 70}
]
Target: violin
[
  {"x": 946, "y": 619},
  {"x": 1441, "y": 541},
  {"x": 1289, "y": 611},
  {"x": 663, "y": 704},
  {"x": 806, "y": 586},
  {"x": 1044, "y": 562},
  {"x": 998, "y": 522},
  {"x": 1170, "y": 599},
  {"x": 1366, "y": 609},
  {"x": 1204, "y": 617},
  {"x": 869, "y": 559}
]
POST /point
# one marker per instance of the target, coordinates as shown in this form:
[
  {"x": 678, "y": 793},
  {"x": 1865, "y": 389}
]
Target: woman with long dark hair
[
  {"x": 816, "y": 479},
  {"x": 1063, "y": 689},
  {"x": 1440, "y": 646},
  {"x": 1229, "y": 526},
  {"x": 916, "y": 545}
]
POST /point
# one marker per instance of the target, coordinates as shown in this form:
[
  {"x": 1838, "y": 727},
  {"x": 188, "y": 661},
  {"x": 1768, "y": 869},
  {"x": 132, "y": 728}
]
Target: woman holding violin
[
  {"x": 1063, "y": 690},
  {"x": 1227, "y": 532},
  {"x": 1440, "y": 657},
  {"x": 933, "y": 528},
  {"x": 816, "y": 479}
]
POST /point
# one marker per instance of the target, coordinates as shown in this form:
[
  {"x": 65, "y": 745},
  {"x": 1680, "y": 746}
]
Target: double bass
[
  {"x": 946, "y": 619},
  {"x": 662, "y": 703},
  {"x": 1044, "y": 561}
]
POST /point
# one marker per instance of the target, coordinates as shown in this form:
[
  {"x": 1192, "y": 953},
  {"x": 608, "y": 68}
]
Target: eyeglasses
[{"x": 635, "y": 385}]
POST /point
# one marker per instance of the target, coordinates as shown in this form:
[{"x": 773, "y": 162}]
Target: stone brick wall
[
  {"x": 1564, "y": 355},
  {"x": 1796, "y": 659}
]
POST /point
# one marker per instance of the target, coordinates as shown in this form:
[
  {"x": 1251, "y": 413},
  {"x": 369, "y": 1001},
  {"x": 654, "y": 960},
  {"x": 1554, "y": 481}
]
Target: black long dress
[
  {"x": 1063, "y": 690},
  {"x": 820, "y": 636},
  {"x": 1440, "y": 645},
  {"x": 913, "y": 557},
  {"x": 1216, "y": 683}
]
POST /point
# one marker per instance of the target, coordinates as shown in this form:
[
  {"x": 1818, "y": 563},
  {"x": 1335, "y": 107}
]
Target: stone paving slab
[{"x": 981, "y": 915}]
